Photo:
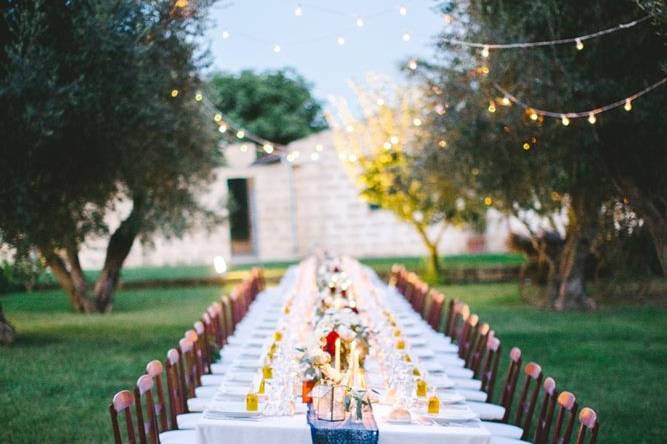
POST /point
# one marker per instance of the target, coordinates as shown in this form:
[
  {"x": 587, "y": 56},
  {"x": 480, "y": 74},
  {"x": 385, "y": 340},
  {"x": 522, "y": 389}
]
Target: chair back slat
[
  {"x": 546, "y": 411},
  {"x": 175, "y": 385},
  {"x": 435, "y": 310},
  {"x": 489, "y": 371},
  {"x": 146, "y": 420},
  {"x": 467, "y": 335},
  {"x": 450, "y": 318},
  {"x": 473, "y": 357}
]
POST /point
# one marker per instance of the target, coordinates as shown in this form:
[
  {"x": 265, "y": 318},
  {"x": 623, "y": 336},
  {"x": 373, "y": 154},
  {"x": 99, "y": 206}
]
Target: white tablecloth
[{"x": 249, "y": 339}]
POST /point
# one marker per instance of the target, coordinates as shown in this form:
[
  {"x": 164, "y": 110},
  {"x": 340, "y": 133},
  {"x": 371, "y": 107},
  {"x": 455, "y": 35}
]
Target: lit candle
[{"x": 337, "y": 361}]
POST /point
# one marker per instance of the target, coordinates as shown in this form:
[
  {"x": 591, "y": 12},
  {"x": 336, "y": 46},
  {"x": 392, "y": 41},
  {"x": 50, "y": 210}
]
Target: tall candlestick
[{"x": 337, "y": 361}]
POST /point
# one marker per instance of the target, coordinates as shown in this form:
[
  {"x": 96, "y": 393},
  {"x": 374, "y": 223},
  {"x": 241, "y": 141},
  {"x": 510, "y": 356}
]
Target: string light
[
  {"x": 276, "y": 48},
  {"x": 319, "y": 147},
  {"x": 448, "y": 19},
  {"x": 488, "y": 201},
  {"x": 412, "y": 64},
  {"x": 225, "y": 35},
  {"x": 590, "y": 114},
  {"x": 181, "y": 3},
  {"x": 298, "y": 11},
  {"x": 268, "y": 148},
  {"x": 340, "y": 40},
  {"x": 243, "y": 148},
  {"x": 492, "y": 107},
  {"x": 403, "y": 10},
  {"x": 577, "y": 40},
  {"x": 394, "y": 139},
  {"x": 417, "y": 121},
  {"x": 240, "y": 134},
  {"x": 505, "y": 101},
  {"x": 564, "y": 120},
  {"x": 485, "y": 52},
  {"x": 628, "y": 105},
  {"x": 217, "y": 117},
  {"x": 387, "y": 145},
  {"x": 199, "y": 97},
  {"x": 526, "y": 146},
  {"x": 406, "y": 37},
  {"x": 174, "y": 92},
  {"x": 442, "y": 143},
  {"x": 222, "y": 128},
  {"x": 360, "y": 22}
]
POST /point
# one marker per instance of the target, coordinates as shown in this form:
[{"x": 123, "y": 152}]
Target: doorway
[{"x": 240, "y": 221}]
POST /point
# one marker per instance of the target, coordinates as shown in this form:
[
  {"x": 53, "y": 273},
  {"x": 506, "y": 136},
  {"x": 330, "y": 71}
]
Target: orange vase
[{"x": 306, "y": 388}]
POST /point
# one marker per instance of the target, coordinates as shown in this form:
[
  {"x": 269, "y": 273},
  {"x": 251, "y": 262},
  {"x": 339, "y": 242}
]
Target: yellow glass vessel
[
  {"x": 422, "y": 388},
  {"x": 252, "y": 402},
  {"x": 407, "y": 358},
  {"x": 433, "y": 404},
  {"x": 267, "y": 371},
  {"x": 397, "y": 332},
  {"x": 262, "y": 387},
  {"x": 416, "y": 372},
  {"x": 400, "y": 344},
  {"x": 278, "y": 336}
]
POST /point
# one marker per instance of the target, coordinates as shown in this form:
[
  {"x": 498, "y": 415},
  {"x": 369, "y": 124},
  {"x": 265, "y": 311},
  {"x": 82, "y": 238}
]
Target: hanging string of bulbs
[
  {"x": 565, "y": 117},
  {"x": 578, "y": 41},
  {"x": 226, "y": 127}
]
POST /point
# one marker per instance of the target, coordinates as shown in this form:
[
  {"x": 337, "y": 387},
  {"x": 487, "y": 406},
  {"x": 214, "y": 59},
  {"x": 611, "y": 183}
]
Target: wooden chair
[
  {"x": 460, "y": 314},
  {"x": 511, "y": 381},
  {"x": 435, "y": 310},
  {"x": 227, "y": 316},
  {"x": 489, "y": 371},
  {"x": 450, "y": 317},
  {"x": 203, "y": 346},
  {"x": 528, "y": 397},
  {"x": 567, "y": 411},
  {"x": 421, "y": 291},
  {"x": 154, "y": 370},
  {"x": 188, "y": 366},
  {"x": 214, "y": 324},
  {"x": 146, "y": 420},
  {"x": 465, "y": 337},
  {"x": 175, "y": 385},
  {"x": 588, "y": 420},
  {"x": 394, "y": 275},
  {"x": 122, "y": 405},
  {"x": 545, "y": 417},
  {"x": 474, "y": 355}
]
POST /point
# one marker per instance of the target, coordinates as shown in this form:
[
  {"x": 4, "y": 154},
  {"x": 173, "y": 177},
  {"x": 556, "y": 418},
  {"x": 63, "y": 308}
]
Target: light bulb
[
  {"x": 406, "y": 37},
  {"x": 412, "y": 64},
  {"x": 488, "y": 200},
  {"x": 526, "y": 146},
  {"x": 314, "y": 156},
  {"x": 403, "y": 10},
  {"x": 360, "y": 22},
  {"x": 276, "y": 48},
  {"x": 225, "y": 35},
  {"x": 240, "y": 134},
  {"x": 340, "y": 41},
  {"x": 298, "y": 11},
  {"x": 628, "y": 105},
  {"x": 505, "y": 101},
  {"x": 492, "y": 107},
  {"x": 380, "y": 102},
  {"x": 416, "y": 121},
  {"x": 533, "y": 116},
  {"x": 222, "y": 128},
  {"x": 592, "y": 119},
  {"x": 268, "y": 148},
  {"x": 387, "y": 145},
  {"x": 580, "y": 44},
  {"x": 564, "y": 120},
  {"x": 199, "y": 97},
  {"x": 485, "y": 52},
  {"x": 319, "y": 147},
  {"x": 174, "y": 92},
  {"x": 448, "y": 18},
  {"x": 217, "y": 117},
  {"x": 442, "y": 143},
  {"x": 394, "y": 139},
  {"x": 244, "y": 148}
]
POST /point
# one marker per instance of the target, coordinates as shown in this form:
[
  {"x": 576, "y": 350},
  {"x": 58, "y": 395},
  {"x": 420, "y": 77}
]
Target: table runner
[{"x": 343, "y": 432}]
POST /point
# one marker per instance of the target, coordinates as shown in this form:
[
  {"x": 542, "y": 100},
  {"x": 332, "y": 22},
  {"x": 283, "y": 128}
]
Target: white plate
[
  {"x": 397, "y": 421},
  {"x": 451, "y": 398}
]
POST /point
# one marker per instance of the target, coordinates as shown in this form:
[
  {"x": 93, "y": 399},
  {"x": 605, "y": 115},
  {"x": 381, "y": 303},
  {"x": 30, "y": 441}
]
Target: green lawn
[{"x": 60, "y": 375}]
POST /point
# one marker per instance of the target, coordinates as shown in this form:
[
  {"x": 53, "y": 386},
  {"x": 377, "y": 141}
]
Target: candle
[{"x": 337, "y": 361}]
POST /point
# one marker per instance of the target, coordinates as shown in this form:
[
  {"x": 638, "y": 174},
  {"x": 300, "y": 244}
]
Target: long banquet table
[{"x": 242, "y": 357}]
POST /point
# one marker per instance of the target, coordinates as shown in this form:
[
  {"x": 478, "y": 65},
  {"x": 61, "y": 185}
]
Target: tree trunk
[
  {"x": 77, "y": 292},
  {"x": 7, "y": 331},
  {"x": 572, "y": 267},
  {"x": 433, "y": 269},
  {"x": 119, "y": 247}
]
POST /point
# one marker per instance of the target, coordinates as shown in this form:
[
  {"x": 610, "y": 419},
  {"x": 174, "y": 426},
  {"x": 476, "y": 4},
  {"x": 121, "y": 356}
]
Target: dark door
[{"x": 239, "y": 216}]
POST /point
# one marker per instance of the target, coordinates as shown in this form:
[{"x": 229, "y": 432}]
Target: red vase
[{"x": 306, "y": 388}]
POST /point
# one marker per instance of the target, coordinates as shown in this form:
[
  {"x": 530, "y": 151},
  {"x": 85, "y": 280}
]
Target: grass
[
  {"x": 59, "y": 376},
  {"x": 613, "y": 359}
]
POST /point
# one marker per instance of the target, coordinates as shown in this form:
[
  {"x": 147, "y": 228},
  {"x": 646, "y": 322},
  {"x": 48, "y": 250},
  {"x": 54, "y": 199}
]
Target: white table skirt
[{"x": 295, "y": 429}]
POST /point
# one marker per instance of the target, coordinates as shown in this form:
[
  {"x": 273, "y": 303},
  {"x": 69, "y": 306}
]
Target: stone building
[{"x": 283, "y": 209}]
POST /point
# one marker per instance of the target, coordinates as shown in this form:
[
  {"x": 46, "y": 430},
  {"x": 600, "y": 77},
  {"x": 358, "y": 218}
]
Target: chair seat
[
  {"x": 206, "y": 391},
  {"x": 178, "y": 437},
  {"x": 218, "y": 368},
  {"x": 450, "y": 360},
  {"x": 503, "y": 430},
  {"x": 487, "y": 411},
  {"x": 188, "y": 420},
  {"x": 472, "y": 384},
  {"x": 503, "y": 440},
  {"x": 473, "y": 395},
  {"x": 214, "y": 380},
  {"x": 197, "y": 404}
]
